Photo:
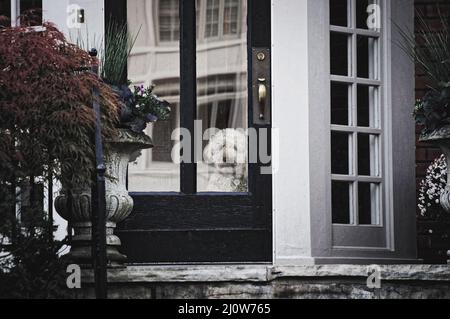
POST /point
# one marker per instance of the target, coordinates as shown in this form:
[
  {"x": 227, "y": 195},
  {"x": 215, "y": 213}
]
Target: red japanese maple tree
[{"x": 46, "y": 115}]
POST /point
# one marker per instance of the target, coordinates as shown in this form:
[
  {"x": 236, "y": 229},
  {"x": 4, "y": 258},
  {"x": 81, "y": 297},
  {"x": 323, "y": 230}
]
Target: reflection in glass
[
  {"x": 168, "y": 17},
  {"x": 222, "y": 95},
  {"x": 155, "y": 61}
]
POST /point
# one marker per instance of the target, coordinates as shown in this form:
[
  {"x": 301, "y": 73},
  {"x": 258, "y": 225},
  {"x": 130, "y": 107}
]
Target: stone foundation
[{"x": 269, "y": 282}]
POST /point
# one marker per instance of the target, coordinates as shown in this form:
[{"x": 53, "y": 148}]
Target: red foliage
[{"x": 46, "y": 115}]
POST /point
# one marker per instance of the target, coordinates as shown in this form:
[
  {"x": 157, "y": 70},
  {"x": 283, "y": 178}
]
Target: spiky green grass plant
[
  {"x": 113, "y": 50},
  {"x": 430, "y": 49},
  {"x": 119, "y": 43}
]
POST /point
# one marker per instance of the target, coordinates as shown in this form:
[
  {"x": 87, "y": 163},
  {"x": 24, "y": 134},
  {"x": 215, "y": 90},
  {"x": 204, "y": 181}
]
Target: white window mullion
[
  {"x": 202, "y": 20},
  {"x": 221, "y": 17},
  {"x": 15, "y": 12},
  {"x": 353, "y": 205},
  {"x": 354, "y": 212},
  {"x": 363, "y": 130}
]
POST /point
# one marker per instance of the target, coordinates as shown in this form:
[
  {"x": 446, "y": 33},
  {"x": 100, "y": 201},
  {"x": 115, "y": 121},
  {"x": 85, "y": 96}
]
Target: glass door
[{"x": 204, "y": 192}]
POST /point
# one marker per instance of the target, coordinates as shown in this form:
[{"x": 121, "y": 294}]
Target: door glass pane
[
  {"x": 155, "y": 61},
  {"x": 338, "y": 13},
  {"x": 367, "y": 57},
  {"x": 368, "y": 106},
  {"x": 369, "y": 201},
  {"x": 222, "y": 97},
  {"x": 340, "y": 103},
  {"x": 368, "y": 155},
  {"x": 341, "y": 202},
  {"x": 364, "y": 10},
  {"x": 339, "y": 43},
  {"x": 340, "y": 153}
]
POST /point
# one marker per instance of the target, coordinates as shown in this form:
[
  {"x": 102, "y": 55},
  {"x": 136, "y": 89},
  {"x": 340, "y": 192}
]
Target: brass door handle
[
  {"x": 262, "y": 96},
  {"x": 262, "y": 90}
]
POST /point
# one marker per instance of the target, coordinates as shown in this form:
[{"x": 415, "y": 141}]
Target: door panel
[
  {"x": 223, "y": 210},
  {"x": 201, "y": 246}
]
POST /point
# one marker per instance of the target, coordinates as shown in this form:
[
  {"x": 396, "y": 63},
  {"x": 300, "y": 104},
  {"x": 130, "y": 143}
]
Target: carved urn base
[
  {"x": 75, "y": 205},
  {"x": 118, "y": 207},
  {"x": 441, "y": 138}
]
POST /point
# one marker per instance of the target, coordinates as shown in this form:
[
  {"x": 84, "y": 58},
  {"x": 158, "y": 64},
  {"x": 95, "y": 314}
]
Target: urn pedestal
[
  {"x": 441, "y": 138},
  {"x": 75, "y": 205}
]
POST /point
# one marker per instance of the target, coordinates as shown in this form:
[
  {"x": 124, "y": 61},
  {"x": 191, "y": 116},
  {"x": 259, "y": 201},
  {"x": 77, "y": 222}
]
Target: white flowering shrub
[{"x": 432, "y": 187}]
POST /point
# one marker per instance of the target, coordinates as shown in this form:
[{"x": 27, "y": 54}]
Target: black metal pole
[
  {"x": 50, "y": 205},
  {"x": 14, "y": 234},
  {"x": 99, "y": 256}
]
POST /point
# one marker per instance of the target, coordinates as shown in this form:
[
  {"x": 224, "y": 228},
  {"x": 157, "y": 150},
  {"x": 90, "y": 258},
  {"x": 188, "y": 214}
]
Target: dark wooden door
[{"x": 197, "y": 227}]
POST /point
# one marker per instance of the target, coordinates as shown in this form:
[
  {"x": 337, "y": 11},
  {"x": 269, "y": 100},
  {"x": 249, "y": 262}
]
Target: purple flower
[{"x": 150, "y": 118}]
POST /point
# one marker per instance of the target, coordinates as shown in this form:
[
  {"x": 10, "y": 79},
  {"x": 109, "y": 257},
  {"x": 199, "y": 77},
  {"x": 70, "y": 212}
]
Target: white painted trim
[
  {"x": 387, "y": 125},
  {"x": 15, "y": 12},
  {"x": 301, "y": 113},
  {"x": 377, "y": 79},
  {"x": 290, "y": 94}
]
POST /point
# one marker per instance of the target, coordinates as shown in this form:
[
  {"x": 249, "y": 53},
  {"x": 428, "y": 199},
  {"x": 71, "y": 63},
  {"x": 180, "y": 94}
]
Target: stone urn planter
[
  {"x": 76, "y": 209},
  {"x": 441, "y": 138}
]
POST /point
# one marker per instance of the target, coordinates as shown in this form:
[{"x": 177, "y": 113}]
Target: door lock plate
[{"x": 261, "y": 86}]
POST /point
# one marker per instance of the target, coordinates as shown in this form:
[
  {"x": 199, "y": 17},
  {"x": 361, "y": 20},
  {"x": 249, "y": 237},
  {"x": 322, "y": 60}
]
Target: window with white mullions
[
  {"x": 212, "y": 18},
  {"x": 169, "y": 24},
  {"x": 230, "y": 17},
  {"x": 356, "y": 126},
  {"x": 220, "y": 18},
  {"x": 216, "y": 20}
]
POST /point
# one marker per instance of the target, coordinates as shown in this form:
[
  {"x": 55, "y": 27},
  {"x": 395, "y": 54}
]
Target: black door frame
[{"x": 187, "y": 227}]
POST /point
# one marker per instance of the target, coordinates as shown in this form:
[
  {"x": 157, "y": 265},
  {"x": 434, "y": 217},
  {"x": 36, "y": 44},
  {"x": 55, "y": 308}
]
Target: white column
[
  {"x": 292, "y": 240},
  {"x": 15, "y": 12},
  {"x": 55, "y": 11}
]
